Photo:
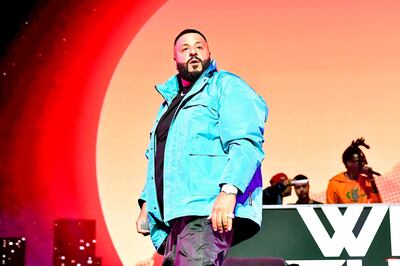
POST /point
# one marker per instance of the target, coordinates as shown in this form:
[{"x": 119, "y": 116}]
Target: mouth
[
  {"x": 195, "y": 64},
  {"x": 194, "y": 61}
]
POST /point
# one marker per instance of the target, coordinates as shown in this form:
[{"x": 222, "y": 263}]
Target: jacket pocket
[
  {"x": 204, "y": 101},
  {"x": 206, "y": 147},
  {"x": 206, "y": 163}
]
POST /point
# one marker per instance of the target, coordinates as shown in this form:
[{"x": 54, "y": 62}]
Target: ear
[{"x": 176, "y": 66}]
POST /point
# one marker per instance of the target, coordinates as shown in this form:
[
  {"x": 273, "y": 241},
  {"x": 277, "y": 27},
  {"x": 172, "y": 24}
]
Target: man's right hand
[
  {"x": 142, "y": 223},
  {"x": 287, "y": 182}
]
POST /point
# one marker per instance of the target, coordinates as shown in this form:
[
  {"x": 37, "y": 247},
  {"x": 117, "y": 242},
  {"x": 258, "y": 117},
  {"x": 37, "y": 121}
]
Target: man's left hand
[{"x": 224, "y": 207}]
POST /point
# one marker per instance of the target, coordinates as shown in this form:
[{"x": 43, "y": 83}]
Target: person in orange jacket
[{"x": 357, "y": 184}]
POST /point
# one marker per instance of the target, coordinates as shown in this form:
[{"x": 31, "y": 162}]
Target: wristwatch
[{"x": 229, "y": 189}]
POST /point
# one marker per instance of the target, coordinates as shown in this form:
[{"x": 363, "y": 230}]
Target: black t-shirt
[{"x": 161, "y": 138}]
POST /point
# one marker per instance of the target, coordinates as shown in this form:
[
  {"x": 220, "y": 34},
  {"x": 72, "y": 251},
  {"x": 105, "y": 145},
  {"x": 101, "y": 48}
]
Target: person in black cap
[
  {"x": 357, "y": 184},
  {"x": 302, "y": 189},
  {"x": 204, "y": 186}
]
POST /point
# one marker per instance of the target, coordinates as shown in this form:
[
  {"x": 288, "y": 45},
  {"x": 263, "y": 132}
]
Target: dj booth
[{"x": 327, "y": 235}]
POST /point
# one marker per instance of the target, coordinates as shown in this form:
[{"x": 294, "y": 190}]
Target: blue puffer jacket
[{"x": 215, "y": 138}]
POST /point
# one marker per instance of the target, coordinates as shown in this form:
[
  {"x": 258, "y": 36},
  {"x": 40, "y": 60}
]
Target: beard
[{"x": 192, "y": 76}]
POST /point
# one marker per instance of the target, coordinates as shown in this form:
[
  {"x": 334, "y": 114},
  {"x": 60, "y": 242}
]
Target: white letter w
[{"x": 343, "y": 226}]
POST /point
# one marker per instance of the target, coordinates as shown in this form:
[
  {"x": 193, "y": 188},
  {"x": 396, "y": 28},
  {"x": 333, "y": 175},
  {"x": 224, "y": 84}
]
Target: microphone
[{"x": 368, "y": 170}]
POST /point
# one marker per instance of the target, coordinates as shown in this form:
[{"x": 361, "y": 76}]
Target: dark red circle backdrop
[{"x": 53, "y": 81}]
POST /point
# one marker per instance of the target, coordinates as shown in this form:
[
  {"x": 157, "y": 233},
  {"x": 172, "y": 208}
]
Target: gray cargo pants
[{"x": 192, "y": 241}]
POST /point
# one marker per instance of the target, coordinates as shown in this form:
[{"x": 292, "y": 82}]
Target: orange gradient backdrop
[{"x": 327, "y": 69}]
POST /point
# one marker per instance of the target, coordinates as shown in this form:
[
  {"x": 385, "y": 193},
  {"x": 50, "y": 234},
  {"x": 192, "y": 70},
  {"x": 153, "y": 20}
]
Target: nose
[{"x": 192, "y": 52}]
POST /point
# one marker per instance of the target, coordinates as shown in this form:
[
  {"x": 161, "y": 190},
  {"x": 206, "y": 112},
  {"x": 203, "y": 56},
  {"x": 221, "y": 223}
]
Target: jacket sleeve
[
  {"x": 142, "y": 197},
  {"x": 242, "y": 114}
]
